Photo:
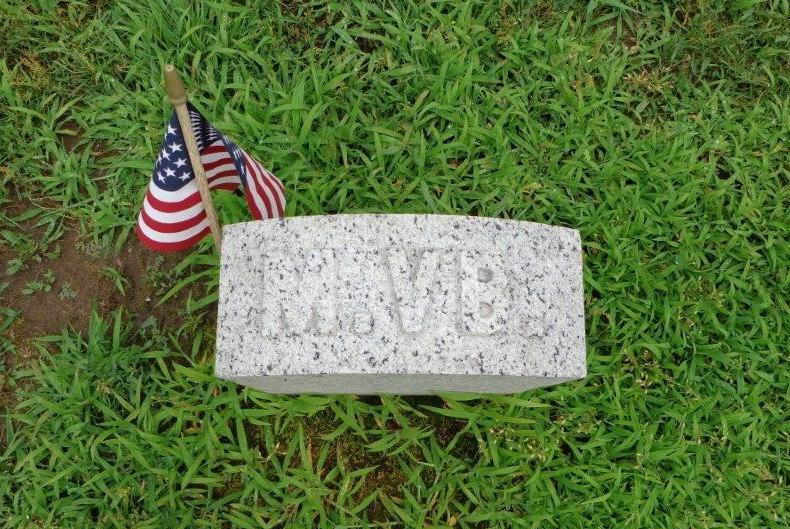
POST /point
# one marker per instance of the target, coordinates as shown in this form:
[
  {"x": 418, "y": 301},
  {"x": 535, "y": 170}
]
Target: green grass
[{"x": 660, "y": 132}]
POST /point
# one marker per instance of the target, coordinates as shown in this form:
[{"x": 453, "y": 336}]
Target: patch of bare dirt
[
  {"x": 69, "y": 277},
  {"x": 52, "y": 293},
  {"x": 70, "y": 135}
]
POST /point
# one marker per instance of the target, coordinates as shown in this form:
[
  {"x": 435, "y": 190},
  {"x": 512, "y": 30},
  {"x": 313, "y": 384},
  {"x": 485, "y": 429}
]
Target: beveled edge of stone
[{"x": 393, "y": 384}]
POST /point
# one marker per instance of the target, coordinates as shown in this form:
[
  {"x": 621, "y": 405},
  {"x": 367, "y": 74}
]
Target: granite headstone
[{"x": 407, "y": 304}]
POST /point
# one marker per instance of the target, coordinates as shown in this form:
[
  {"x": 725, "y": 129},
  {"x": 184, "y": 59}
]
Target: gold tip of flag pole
[
  {"x": 177, "y": 94},
  {"x": 174, "y": 86}
]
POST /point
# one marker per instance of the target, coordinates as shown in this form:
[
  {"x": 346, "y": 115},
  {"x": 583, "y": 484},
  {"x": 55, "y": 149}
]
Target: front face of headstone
[{"x": 408, "y": 304}]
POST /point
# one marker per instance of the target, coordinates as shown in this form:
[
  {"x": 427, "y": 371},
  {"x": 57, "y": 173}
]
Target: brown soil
[
  {"x": 80, "y": 279},
  {"x": 81, "y": 283}
]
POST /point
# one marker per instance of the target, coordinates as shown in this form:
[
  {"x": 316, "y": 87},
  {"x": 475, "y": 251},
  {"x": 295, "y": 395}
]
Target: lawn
[{"x": 660, "y": 131}]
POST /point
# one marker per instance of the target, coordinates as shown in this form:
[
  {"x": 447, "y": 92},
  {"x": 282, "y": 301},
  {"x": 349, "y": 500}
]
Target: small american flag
[{"x": 172, "y": 217}]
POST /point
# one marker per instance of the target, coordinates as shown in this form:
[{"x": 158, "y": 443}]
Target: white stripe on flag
[
  {"x": 213, "y": 157},
  {"x": 251, "y": 186},
  {"x": 170, "y": 218},
  {"x": 171, "y": 237},
  {"x": 219, "y": 169},
  {"x": 173, "y": 196},
  {"x": 274, "y": 186},
  {"x": 232, "y": 179},
  {"x": 264, "y": 185}
]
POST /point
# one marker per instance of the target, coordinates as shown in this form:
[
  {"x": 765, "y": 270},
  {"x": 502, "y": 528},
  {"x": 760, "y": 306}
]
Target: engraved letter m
[{"x": 299, "y": 294}]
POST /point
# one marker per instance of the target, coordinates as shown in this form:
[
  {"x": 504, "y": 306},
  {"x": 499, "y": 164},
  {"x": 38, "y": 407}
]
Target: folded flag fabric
[{"x": 173, "y": 217}]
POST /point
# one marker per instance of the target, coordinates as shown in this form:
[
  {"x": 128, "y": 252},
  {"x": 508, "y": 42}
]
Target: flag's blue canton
[
  {"x": 172, "y": 169},
  {"x": 205, "y": 133}
]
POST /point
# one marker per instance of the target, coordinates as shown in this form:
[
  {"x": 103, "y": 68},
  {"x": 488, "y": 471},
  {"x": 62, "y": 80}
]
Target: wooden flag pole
[{"x": 178, "y": 97}]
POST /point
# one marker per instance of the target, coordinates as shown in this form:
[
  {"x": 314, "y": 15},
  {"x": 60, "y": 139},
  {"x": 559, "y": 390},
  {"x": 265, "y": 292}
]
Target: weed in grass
[
  {"x": 24, "y": 247},
  {"x": 117, "y": 279},
  {"x": 44, "y": 284},
  {"x": 67, "y": 292}
]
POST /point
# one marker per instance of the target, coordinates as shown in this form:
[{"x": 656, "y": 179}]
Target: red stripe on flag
[
  {"x": 172, "y": 227},
  {"x": 276, "y": 181},
  {"x": 227, "y": 186},
  {"x": 267, "y": 176},
  {"x": 254, "y": 187},
  {"x": 214, "y": 148},
  {"x": 208, "y": 166},
  {"x": 222, "y": 174},
  {"x": 174, "y": 207},
  {"x": 264, "y": 189},
  {"x": 170, "y": 246}
]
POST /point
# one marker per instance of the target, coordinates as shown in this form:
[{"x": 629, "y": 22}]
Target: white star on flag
[
  {"x": 175, "y": 147},
  {"x": 181, "y": 162}
]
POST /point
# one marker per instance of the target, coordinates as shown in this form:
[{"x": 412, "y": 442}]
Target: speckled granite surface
[{"x": 408, "y": 304}]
